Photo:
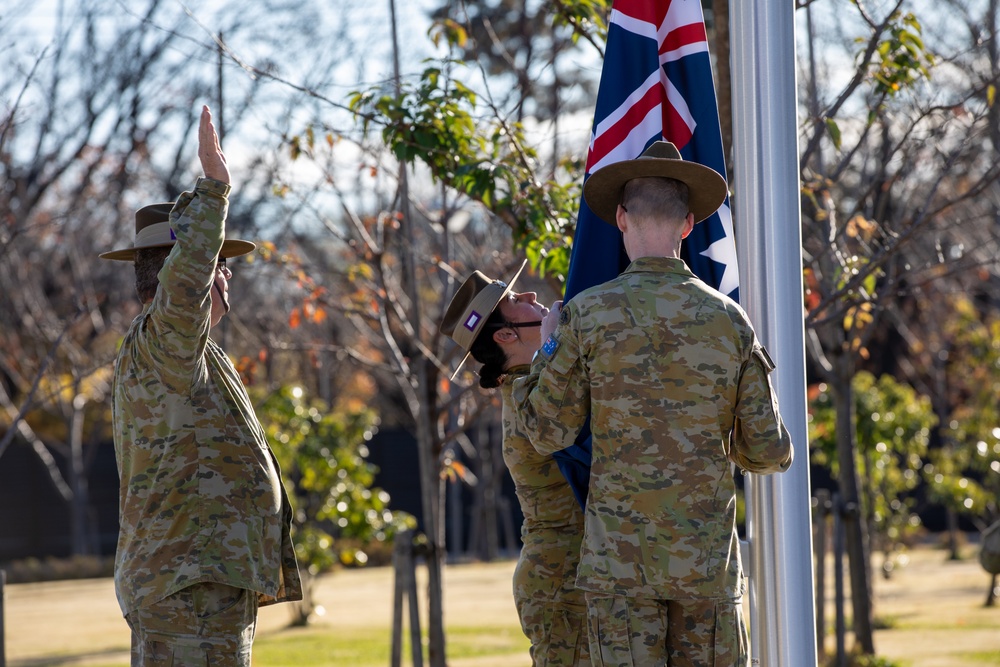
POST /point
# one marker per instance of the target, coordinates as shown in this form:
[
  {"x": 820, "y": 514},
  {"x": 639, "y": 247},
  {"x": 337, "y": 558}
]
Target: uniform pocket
[{"x": 732, "y": 642}]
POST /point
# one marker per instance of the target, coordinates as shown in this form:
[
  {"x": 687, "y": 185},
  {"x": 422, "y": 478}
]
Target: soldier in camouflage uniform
[
  {"x": 552, "y": 609},
  {"x": 677, "y": 389},
  {"x": 205, "y": 521}
]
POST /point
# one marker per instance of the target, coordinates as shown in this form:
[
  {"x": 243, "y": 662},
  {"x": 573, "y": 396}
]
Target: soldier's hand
[
  {"x": 550, "y": 321},
  {"x": 213, "y": 161}
]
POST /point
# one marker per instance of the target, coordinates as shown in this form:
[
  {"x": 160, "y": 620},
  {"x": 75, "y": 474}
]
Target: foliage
[
  {"x": 964, "y": 474},
  {"x": 893, "y": 425},
  {"x": 586, "y": 16},
  {"x": 847, "y": 228},
  {"x": 893, "y": 170},
  {"x": 901, "y": 58},
  {"x": 434, "y": 122},
  {"x": 322, "y": 454},
  {"x": 526, "y": 46}
]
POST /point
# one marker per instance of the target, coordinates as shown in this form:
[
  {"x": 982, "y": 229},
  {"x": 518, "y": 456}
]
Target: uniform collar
[
  {"x": 659, "y": 265},
  {"x": 520, "y": 369}
]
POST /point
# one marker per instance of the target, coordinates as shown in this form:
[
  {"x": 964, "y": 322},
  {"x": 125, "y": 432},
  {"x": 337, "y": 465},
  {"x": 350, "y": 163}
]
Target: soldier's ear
[
  {"x": 504, "y": 335},
  {"x": 688, "y": 225}
]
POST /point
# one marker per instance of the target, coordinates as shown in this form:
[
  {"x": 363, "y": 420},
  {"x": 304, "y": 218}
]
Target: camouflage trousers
[
  {"x": 634, "y": 632},
  {"x": 205, "y": 624},
  {"x": 552, "y": 609},
  {"x": 557, "y": 630}
]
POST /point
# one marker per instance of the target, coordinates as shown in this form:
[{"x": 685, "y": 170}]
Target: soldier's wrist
[{"x": 211, "y": 186}]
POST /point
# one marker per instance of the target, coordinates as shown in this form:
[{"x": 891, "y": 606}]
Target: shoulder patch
[
  {"x": 550, "y": 346},
  {"x": 762, "y": 354},
  {"x": 564, "y": 316}
]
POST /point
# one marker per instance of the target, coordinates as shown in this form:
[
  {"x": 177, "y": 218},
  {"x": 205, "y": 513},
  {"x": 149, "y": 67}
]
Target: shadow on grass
[{"x": 109, "y": 658}]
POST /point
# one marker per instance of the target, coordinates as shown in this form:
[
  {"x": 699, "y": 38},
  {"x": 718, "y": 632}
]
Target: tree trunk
[
  {"x": 429, "y": 472},
  {"x": 952, "y": 520},
  {"x": 81, "y": 535},
  {"x": 720, "y": 25},
  {"x": 856, "y": 532}
]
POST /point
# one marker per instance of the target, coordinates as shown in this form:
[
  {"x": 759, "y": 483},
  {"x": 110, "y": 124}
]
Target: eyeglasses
[{"x": 220, "y": 265}]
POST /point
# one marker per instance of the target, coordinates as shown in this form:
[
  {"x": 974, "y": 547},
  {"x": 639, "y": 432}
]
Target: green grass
[
  {"x": 322, "y": 646},
  {"x": 983, "y": 657},
  {"x": 318, "y": 647}
]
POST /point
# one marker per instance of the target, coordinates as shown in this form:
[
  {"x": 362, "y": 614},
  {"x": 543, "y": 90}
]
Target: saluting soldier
[
  {"x": 500, "y": 329},
  {"x": 676, "y": 385},
  {"x": 204, "y": 536}
]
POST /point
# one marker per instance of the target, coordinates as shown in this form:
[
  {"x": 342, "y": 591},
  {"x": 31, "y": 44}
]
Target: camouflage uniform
[
  {"x": 201, "y": 498},
  {"x": 552, "y": 609},
  {"x": 677, "y": 387}
]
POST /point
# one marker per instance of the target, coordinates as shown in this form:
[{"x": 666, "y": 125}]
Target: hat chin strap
[{"x": 222, "y": 297}]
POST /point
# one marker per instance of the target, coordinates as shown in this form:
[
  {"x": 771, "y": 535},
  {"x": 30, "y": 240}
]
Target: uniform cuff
[{"x": 212, "y": 187}]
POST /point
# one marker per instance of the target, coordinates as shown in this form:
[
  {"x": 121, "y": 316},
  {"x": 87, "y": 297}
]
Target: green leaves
[
  {"x": 965, "y": 474},
  {"x": 901, "y": 59},
  {"x": 585, "y": 16},
  {"x": 833, "y": 129},
  {"x": 435, "y": 121},
  {"x": 323, "y": 456},
  {"x": 893, "y": 425}
]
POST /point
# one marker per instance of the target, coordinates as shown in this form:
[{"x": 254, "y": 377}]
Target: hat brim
[
  {"x": 603, "y": 189},
  {"x": 230, "y": 248},
  {"x": 495, "y": 302}
]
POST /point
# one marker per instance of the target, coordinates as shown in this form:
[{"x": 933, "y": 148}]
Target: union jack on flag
[{"x": 656, "y": 84}]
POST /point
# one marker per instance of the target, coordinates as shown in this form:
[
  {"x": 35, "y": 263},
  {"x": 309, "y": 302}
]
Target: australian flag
[{"x": 656, "y": 84}]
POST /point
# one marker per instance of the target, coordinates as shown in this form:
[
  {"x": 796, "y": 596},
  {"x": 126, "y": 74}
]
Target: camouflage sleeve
[
  {"x": 180, "y": 317},
  {"x": 552, "y": 402},
  {"x": 760, "y": 443}
]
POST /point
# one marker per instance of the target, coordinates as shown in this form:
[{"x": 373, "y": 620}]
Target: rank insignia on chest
[{"x": 550, "y": 346}]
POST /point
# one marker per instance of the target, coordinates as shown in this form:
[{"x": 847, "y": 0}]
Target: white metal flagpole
[{"x": 769, "y": 248}]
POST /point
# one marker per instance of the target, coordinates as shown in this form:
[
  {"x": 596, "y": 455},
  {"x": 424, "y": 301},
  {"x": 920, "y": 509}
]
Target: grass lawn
[{"x": 931, "y": 611}]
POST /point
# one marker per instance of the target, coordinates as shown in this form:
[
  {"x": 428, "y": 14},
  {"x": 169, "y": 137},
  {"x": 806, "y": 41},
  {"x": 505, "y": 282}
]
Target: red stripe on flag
[
  {"x": 614, "y": 135},
  {"x": 643, "y": 10},
  {"x": 675, "y": 128},
  {"x": 684, "y": 35}
]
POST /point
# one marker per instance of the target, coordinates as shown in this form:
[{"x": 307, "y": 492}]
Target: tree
[
  {"x": 892, "y": 427},
  {"x": 322, "y": 454},
  {"x": 964, "y": 473},
  {"x": 528, "y": 42},
  {"x": 887, "y": 165}
]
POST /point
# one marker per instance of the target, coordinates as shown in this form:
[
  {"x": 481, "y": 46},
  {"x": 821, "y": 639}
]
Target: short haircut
[
  {"x": 653, "y": 198},
  {"x": 148, "y": 262}
]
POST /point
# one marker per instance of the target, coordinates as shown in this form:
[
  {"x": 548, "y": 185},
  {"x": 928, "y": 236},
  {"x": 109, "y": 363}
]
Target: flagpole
[{"x": 769, "y": 248}]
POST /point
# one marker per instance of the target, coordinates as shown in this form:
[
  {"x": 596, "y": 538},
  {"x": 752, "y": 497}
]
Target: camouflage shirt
[
  {"x": 201, "y": 497},
  {"x": 552, "y": 610},
  {"x": 553, "y": 521},
  {"x": 677, "y": 387}
]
